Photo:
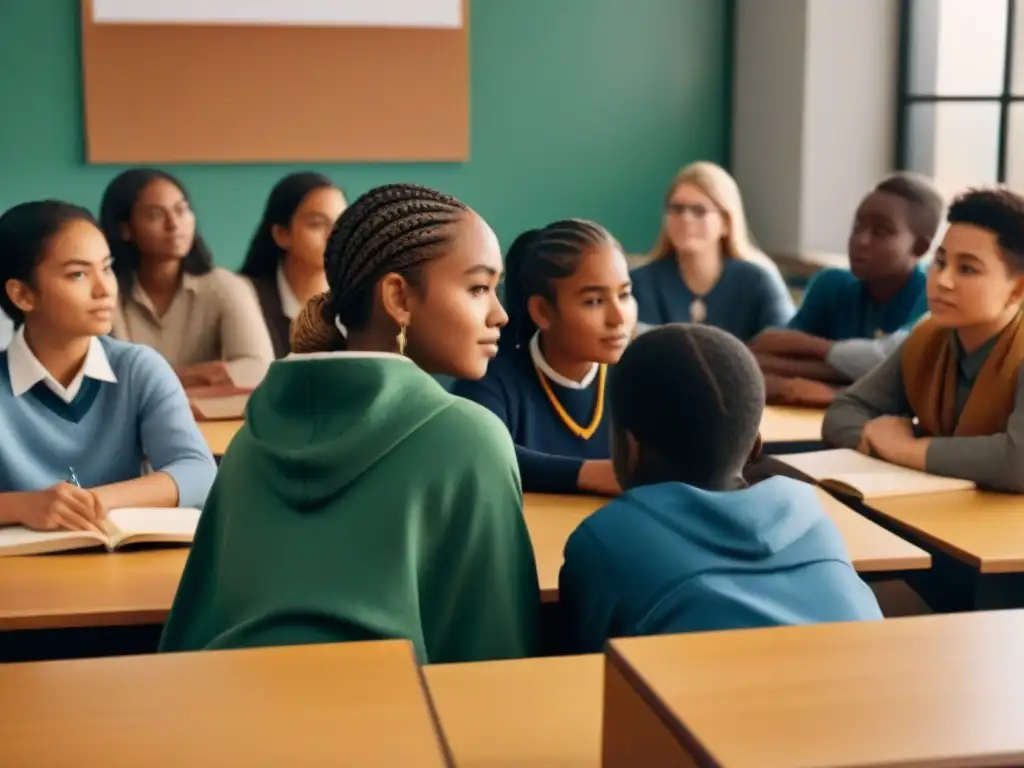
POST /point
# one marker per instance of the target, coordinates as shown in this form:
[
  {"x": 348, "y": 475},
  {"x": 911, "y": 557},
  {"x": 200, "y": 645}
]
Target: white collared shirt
[
  {"x": 290, "y": 304},
  {"x": 6, "y": 330},
  {"x": 26, "y": 371},
  {"x": 555, "y": 376}
]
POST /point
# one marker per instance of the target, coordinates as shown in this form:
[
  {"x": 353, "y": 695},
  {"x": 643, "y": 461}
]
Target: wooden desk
[
  {"x": 218, "y": 434},
  {"x": 978, "y": 540},
  {"x": 782, "y": 424},
  {"x": 89, "y": 590},
  {"x": 543, "y": 712},
  {"x": 936, "y": 690},
  {"x": 351, "y": 704},
  {"x": 551, "y": 519}
]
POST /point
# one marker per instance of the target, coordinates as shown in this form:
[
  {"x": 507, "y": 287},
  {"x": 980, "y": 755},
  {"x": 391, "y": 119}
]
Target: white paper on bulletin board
[{"x": 355, "y": 13}]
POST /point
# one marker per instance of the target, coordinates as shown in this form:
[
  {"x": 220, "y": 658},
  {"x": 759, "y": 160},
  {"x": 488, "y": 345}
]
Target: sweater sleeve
[
  {"x": 486, "y": 550},
  {"x": 995, "y": 462},
  {"x": 170, "y": 438},
  {"x": 541, "y": 472},
  {"x": 854, "y": 358},
  {"x": 586, "y": 593},
  {"x": 244, "y": 339},
  {"x": 879, "y": 393}
]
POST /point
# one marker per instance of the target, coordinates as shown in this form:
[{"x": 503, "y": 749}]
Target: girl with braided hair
[
  {"x": 361, "y": 500},
  {"x": 572, "y": 312}
]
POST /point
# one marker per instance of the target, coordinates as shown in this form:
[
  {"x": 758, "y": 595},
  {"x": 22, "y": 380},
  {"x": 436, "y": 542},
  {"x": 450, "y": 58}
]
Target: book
[
  {"x": 218, "y": 403},
  {"x": 122, "y": 527},
  {"x": 850, "y": 473}
]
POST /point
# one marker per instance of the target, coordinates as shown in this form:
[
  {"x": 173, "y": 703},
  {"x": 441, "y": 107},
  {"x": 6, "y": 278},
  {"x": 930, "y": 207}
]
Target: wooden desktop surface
[
  {"x": 985, "y": 530},
  {"x": 137, "y": 587},
  {"x": 935, "y": 690},
  {"x": 89, "y": 590},
  {"x": 349, "y": 704},
  {"x": 218, "y": 434},
  {"x": 542, "y": 712},
  {"x": 783, "y": 424},
  {"x": 780, "y": 424}
]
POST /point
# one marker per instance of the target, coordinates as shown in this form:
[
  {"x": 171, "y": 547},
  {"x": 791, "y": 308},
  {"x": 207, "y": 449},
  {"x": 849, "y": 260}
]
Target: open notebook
[
  {"x": 122, "y": 526},
  {"x": 218, "y": 403},
  {"x": 853, "y": 474}
]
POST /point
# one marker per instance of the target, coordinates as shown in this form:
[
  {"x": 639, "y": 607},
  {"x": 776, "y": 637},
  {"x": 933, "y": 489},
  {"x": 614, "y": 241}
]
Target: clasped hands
[{"x": 892, "y": 439}]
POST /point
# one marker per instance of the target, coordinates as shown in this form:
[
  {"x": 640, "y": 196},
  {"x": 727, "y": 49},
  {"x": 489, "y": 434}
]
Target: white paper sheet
[{"x": 356, "y": 13}]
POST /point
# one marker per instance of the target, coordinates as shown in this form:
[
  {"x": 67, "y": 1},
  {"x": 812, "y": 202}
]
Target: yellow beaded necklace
[{"x": 584, "y": 432}]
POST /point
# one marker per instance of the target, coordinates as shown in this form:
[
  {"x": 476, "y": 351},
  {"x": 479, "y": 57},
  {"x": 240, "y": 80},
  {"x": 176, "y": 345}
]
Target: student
[
  {"x": 572, "y": 312},
  {"x": 854, "y": 358},
  {"x": 958, "y": 372},
  {"x": 361, "y": 500},
  {"x": 80, "y": 412},
  {"x": 285, "y": 261},
  {"x": 203, "y": 320},
  {"x": 704, "y": 267},
  {"x": 688, "y": 547},
  {"x": 880, "y": 294}
]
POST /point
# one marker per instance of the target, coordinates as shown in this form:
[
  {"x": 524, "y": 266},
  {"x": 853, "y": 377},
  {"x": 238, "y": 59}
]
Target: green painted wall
[{"x": 579, "y": 108}]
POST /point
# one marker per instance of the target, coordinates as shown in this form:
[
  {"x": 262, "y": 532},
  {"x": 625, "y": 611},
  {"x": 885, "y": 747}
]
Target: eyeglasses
[{"x": 696, "y": 209}]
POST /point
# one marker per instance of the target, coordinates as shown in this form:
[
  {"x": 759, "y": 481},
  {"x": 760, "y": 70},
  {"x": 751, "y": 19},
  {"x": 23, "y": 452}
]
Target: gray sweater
[{"x": 992, "y": 461}]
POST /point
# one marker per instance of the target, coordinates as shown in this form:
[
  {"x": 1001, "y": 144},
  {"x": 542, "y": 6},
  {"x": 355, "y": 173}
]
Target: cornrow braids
[
  {"x": 535, "y": 260},
  {"x": 392, "y": 228}
]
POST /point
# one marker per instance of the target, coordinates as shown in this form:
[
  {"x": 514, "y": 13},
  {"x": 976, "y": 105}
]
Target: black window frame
[{"x": 907, "y": 99}]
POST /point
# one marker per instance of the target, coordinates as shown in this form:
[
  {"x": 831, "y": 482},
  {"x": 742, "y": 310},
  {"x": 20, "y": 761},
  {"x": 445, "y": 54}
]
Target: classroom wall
[
  {"x": 579, "y": 108},
  {"x": 814, "y": 115}
]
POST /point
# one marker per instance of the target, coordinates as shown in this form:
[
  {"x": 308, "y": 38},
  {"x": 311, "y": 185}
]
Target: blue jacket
[{"x": 671, "y": 558}]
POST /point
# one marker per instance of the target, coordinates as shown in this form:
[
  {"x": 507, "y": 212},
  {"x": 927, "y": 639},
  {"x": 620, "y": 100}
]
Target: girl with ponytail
[
  {"x": 571, "y": 314},
  {"x": 367, "y": 495}
]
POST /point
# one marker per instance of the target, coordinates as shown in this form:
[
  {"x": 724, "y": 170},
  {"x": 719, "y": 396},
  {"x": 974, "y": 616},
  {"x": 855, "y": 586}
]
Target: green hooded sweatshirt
[{"x": 362, "y": 501}]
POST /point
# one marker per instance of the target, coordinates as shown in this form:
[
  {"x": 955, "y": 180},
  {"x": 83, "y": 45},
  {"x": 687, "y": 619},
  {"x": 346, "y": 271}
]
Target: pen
[{"x": 74, "y": 477}]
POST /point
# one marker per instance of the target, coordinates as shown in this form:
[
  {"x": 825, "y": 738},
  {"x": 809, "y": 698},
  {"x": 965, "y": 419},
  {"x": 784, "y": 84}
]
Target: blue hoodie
[{"x": 671, "y": 558}]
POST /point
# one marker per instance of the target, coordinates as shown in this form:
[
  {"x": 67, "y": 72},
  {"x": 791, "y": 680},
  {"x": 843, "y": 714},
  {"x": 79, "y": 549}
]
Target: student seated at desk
[
  {"x": 958, "y": 372},
  {"x": 202, "y": 319},
  {"x": 361, "y": 500},
  {"x": 704, "y": 267},
  {"x": 688, "y": 547},
  {"x": 571, "y": 314},
  {"x": 285, "y": 261},
  {"x": 76, "y": 406},
  {"x": 881, "y": 293}
]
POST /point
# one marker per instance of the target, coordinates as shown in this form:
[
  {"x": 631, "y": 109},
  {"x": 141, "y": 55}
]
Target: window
[{"x": 962, "y": 91}]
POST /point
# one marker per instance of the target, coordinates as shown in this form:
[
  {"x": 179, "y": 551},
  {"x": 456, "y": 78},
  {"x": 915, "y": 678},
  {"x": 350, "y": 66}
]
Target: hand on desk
[
  {"x": 598, "y": 477},
  {"x": 892, "y": 438},
  {"x": 212, "y": 374},
  {"x": 62, "y": 507},
  {"x": 804, "y": 392}
]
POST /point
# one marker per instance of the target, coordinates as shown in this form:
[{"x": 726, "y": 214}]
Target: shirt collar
[
  {"x": 26, "y": 371},
  {"x": 970, "y": 363},
  {"x": 189, "y": 283},
  {"x": 290, "y": 304},
  {"x": 296, "y": 357},
  {"x": 555, "y": 376}
]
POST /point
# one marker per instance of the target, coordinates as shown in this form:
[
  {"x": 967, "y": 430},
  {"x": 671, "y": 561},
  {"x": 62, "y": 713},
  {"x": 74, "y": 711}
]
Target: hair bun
[{"x": 312, "y": 331}]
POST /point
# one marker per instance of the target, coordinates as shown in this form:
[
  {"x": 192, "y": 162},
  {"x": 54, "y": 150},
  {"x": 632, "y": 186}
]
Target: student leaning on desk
[
  {"x": 77, "y": 408},
  {"x": 958, "y": 372}
]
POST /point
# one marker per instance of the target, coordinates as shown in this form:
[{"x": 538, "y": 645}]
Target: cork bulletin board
[{"x": 230, "y": 93}]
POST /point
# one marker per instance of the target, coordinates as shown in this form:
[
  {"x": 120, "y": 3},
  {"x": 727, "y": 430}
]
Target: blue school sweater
[
  {"x": 107, "y": 431},
  {"x": 837, "y": 306},
  {"x": 746, "y": 299},
  {"x": 671, "y": 558},
  {"x": 549, "y": 455}
]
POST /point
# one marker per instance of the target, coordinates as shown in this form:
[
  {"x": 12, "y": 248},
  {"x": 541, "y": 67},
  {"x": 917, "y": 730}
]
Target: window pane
[
  {"x": 955, "y": 143},
  {"x": 1015, "y": 148},
  {"x": 1017, "y": 85},
  {"x": 957, "y": 47}
]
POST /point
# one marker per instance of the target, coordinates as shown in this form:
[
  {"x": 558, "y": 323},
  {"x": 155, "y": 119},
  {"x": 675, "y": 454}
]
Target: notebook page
[
  {"x": 162, "y": 521},
  {"x": 218, "y": 408},
  {"x": 876, "y": 485},
  {"x": 839, "y": 464},
  {"x": 18, "y": 537}
]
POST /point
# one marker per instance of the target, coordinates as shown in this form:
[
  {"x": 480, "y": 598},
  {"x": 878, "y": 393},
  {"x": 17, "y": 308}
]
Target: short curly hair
[{"x": 998, "y": 210}]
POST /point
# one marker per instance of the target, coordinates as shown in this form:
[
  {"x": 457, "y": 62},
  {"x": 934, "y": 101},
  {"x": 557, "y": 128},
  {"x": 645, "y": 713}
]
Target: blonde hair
[{"x": 717, "y": 183}]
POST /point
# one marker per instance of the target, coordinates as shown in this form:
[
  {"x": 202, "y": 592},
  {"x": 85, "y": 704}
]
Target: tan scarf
[{"x": 929, "y": 362}]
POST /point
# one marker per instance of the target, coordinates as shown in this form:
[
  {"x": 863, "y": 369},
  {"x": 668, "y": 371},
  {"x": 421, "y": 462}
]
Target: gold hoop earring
[{"x": 402, "y": 340}]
